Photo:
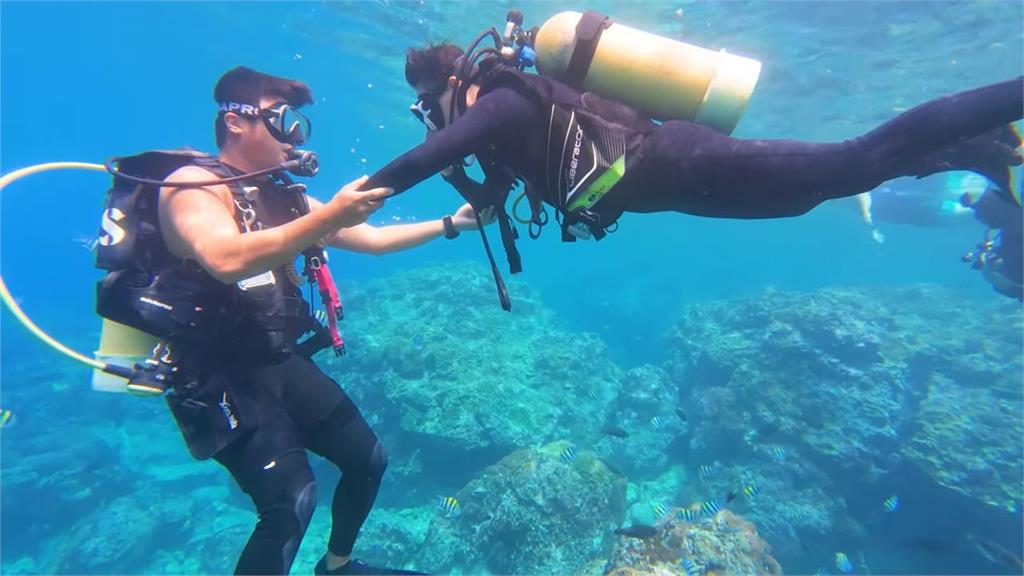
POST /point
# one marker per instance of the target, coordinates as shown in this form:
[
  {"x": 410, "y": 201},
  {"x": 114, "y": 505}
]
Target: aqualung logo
[
  {"x": 114, "y": 233},
  {"x": 575, "y": 155}
]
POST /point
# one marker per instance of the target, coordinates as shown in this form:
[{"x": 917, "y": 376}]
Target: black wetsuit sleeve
[{"x": 495, "y": 116}]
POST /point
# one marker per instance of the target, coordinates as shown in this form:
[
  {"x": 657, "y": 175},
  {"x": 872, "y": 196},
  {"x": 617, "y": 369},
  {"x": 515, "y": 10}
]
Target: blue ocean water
[{"x": 80, "y": 470}]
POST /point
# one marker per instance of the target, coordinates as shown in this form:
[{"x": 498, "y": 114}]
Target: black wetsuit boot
[{"x": 356, "y": 567}]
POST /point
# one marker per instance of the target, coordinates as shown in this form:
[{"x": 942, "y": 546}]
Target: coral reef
[
  {"x": 784, "y": 409},
  {"x": 724, "y": 544},
  {"x": 643, "y": 408},
  {"x": 534, "y": 512},
  {"x": 816, "y": 394},
  {"x": 434, "y": 355}
]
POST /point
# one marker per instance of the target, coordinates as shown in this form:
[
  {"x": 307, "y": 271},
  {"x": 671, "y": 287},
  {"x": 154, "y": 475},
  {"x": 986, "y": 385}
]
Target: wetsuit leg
[
  {"x": 333, "y": 428},
  {"x": 345, "y": 438},
  {"x": 284, "y": 492},
  {"x": 686, "y": 167}
]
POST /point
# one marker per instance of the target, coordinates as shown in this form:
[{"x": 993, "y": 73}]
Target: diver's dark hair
[
  {"x": 431, "y": 65},
  {"x": 247, "y": 86}
]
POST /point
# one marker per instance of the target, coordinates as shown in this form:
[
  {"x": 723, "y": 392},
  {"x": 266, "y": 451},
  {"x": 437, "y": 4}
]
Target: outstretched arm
[
  {"x": 368, "y": 239},
  {"x": 494, "y": 116}
]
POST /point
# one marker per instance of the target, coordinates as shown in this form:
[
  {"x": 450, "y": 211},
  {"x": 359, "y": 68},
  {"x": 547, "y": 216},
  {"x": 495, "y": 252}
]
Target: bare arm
[
  {"x": 369, "y": 239},
  {"x": 199, "y": 223}
]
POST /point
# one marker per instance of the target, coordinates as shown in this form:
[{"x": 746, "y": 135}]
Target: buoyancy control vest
[
  {"x": 174, "y": 299},
  {"x": 586, "y": 142},
  {"x": 585, "y": 154}
]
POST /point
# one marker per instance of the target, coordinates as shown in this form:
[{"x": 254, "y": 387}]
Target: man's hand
[
  {"x": 352, "y": 206},
  {"x": 463, "y": 218}
]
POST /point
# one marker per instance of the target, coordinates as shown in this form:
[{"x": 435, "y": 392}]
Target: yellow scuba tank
[
  {"x": 665, "y": 78},
  {"x": 121, "y": 345}
]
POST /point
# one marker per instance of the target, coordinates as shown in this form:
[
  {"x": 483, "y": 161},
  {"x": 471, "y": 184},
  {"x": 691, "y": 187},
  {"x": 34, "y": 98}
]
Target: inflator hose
[{"x": 5, "y": 294}]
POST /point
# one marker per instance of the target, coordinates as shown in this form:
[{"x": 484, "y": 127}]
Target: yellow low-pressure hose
[{"x": 5, "y": 294}]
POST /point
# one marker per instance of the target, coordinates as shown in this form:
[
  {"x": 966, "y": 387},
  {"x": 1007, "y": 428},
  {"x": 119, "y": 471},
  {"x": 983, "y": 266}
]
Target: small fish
[
  {"x": 779, "y": 453},
  {"x": 691, "y": 513},
  {"x": 568, "y": 455},
  {"x": 996, "y": 553},
  {"x": 706, "y": 470},
  {"x": 613, "y": 430},
  {"x": 656, "y": 420},
  {"x": 731, "y": 495},
  {"x": 796, "y": 515},
  {"x": 88, "y": 243},
  {"x": 695, "y": 443},
  {"x": 6, "y": 418},
  {"x": 660, "y": 510},
  {"x": 710, "y": 508},
  {"x": 417, "y": 340},
  {"x": 593, "y": 394},
  {"x": 843, "y": 563},
  {"x": 750, "y": 491},
  {"x": 891, "y": 504},
  {"x": 693, "y": 568},
  {"x": 641, "y": 531},
  {"x": 681, "y": 414},
  {"x": 449, "y": 506}
]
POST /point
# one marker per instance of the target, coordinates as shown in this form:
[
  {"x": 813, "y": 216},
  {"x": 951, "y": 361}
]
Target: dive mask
[
  {"x": 428, "y": 110},
  {"x": 285, "y": 123}
]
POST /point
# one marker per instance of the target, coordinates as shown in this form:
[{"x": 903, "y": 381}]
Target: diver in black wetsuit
[
  {"x": 1000, "y": 256},
  {"x": 551, "y": 136},
  {"x": 246, "y": 392}
]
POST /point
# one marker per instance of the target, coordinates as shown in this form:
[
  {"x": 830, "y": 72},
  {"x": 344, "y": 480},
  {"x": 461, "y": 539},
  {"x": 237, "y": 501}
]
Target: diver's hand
[
  {"x": 352, "y": 206},
  {"x": 463, "y": 218}
]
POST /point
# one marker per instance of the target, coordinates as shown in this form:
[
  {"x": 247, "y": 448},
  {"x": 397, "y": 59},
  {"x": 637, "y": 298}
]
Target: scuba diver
[
  {"x": 921, "y": 204},
  {"x": 1000, "y": 255},
  {"x": 208, "y": 267},
  {"x": 593, "y": 158}
]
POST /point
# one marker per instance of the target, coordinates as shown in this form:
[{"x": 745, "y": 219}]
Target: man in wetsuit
[
  {"x": 253, "y": 402},
  {"x": 560, "y": 142}
]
